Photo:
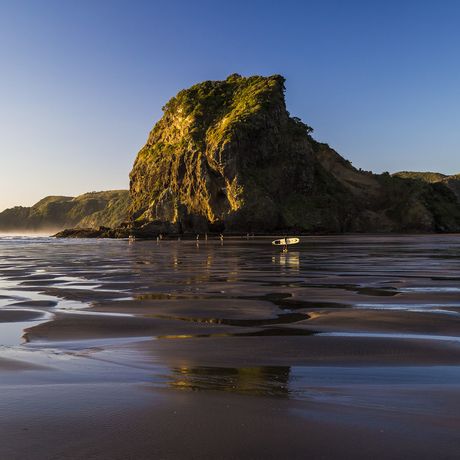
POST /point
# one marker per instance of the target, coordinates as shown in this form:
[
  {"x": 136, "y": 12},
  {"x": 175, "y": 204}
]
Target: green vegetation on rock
[{"x": 227, "y": 155}]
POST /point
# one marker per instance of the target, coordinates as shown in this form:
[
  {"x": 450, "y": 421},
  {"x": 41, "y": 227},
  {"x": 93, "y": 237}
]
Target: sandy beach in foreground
[{"x": 346, "y": 347}]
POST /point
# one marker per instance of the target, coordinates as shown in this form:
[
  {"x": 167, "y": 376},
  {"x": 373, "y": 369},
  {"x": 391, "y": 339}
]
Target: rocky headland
[{"x": 228, "y": 157}]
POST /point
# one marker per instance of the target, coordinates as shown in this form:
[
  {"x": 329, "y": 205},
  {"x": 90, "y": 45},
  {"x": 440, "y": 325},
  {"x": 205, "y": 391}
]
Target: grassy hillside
[
  {"x": 452, "y": 182},
  {"x": 58, "y": 212}
]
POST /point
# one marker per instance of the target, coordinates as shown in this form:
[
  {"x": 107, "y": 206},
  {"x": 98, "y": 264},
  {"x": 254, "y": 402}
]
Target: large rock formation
[
  {"x": 58, "y": 212},
  {"x": 227, "y": 156}
]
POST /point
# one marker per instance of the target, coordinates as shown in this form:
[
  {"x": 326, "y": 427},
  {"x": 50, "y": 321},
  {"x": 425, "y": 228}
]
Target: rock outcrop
[
  {"x": 227, "y": 156},
  {"x": 55, "y": 213}
]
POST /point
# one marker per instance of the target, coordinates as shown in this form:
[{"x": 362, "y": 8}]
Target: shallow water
[{"x": 412, "y": 274}]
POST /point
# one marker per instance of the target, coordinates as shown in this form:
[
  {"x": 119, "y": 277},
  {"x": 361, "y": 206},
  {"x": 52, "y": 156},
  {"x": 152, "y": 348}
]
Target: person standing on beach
[{"x": 285, "y": 246}]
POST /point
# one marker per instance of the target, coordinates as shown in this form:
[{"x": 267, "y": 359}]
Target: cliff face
[
  {"x": 59, "y": 212},
  {"x": 227, "y": 156}
]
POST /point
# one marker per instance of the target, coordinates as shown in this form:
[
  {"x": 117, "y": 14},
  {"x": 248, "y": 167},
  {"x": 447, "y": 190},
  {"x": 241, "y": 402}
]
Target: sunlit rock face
[{"x": 227, "y": 156}]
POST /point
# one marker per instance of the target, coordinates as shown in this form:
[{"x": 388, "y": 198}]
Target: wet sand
[{"x": 345, "y": 347}]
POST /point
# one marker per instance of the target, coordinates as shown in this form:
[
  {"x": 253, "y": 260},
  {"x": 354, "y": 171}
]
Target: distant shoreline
[{"x": 91, "y": 234}]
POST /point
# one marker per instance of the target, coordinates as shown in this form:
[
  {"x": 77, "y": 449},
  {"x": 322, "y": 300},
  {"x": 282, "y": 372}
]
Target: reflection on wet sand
[
  {"x": 254, "y": 381},
  {"x": 288, "y": 260}
]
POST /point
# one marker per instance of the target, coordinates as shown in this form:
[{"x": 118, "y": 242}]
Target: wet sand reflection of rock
[
  {"x": 255, "y": 381},
  {"x": 290, "y": 261}
]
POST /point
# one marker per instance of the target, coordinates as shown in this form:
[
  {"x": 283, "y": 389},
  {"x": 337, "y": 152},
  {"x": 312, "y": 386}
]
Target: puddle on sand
[
  {"x": 12, "y": 333},
  {"x": 35, "y": 303},
  {"x": 435, "y": 289},
  {"x": 389, "y": 335},
  {"x": 38, "y": 305},
  {"x": 415, "y": 308}
]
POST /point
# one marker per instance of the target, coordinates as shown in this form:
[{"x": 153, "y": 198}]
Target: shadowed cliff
[{"x": 452, "y": 182}]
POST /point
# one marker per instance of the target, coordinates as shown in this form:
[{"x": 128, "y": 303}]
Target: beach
[{"x": 344, "y": 347}]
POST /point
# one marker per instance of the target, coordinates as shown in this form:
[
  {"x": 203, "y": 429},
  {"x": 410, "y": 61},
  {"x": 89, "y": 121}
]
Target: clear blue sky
[{"x": 82, "y": 82}]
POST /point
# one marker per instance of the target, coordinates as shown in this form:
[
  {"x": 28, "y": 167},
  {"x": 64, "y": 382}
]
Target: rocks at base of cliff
[
  {"x": 153, "y": 229},
  {"x": 101, "y": 232},
  {"x": 126, "y": 230}
]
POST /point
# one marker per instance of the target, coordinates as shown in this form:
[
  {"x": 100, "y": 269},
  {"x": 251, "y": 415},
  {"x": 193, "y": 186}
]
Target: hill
[
  {"x": 54, "y": 213},
  {"x": 452, "y": 182}
]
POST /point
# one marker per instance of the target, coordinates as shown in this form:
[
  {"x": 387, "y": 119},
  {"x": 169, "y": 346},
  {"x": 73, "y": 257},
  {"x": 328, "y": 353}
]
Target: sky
[{"x": 83, "y": 82}]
